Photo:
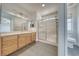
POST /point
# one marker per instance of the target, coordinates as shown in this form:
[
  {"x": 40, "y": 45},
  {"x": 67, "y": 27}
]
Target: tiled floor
[
  {"x": 37, "y": 49},
  {"x": 73, "y": 51}
]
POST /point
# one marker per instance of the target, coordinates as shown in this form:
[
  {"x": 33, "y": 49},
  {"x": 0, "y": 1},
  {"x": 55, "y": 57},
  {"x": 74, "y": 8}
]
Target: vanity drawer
[
  {"x": 8, "y": 50},
  {"x": 28, "y": 38},
  {"x": 25, "y": 39},
  {"x": 33, "y": 36},
  {"x": 0, "y": 42},
  {"x": 6, "y": 38},
  {"x": 0, "y": 46},
  {"x": 9, "y": 44},
  {"x": 22, "y": 40}
]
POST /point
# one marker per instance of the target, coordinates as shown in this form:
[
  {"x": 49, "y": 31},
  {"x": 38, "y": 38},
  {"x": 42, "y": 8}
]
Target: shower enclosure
[{"x": 48, "y": 31}]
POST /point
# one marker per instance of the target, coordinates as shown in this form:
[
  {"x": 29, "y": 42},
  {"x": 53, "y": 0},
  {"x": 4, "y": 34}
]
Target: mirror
[
  {"x": 18, "y": 19},
  {"x": 10, "y": 23}
]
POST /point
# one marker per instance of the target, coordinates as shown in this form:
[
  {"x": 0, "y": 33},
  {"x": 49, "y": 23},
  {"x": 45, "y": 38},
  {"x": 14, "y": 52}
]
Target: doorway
[{"x": 72, "y": 29}]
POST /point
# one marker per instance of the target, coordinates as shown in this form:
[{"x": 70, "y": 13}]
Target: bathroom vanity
[
  {"x": 11, "y": 42},
  {"x": 0, "y": 45}
]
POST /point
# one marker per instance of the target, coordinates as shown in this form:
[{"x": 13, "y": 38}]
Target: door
[
  {"x": 42, "y": 30},
  {"x": 48, "y": 31},
  {"x": 51, "y": 30}
]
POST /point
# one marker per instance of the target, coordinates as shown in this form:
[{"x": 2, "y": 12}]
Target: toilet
[{"x": 71, "y": 42}]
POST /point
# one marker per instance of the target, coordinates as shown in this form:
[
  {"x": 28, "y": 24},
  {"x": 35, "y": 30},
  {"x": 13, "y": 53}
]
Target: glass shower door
[
  {"x": 48, "y": 31},
  {"x": 42, "y": 30},
  {"x": 51, "y": 30}
]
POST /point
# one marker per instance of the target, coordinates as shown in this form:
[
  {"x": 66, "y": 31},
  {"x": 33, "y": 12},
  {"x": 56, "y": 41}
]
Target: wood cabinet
[
  {"x": 33, "y": 36},
  {"x": 0, "y": 46},
  {"x": 22, "y": 40},
  {"x": 28, "y": 38},
  {"x": 9, "y": 44}
]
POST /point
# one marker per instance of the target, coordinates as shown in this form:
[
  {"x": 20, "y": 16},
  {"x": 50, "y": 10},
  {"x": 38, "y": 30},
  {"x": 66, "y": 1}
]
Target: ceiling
[
  {"x": 27, "y": 9},
  {"x": 38, "y": 6},
  {"x": 71, "y": 8}
]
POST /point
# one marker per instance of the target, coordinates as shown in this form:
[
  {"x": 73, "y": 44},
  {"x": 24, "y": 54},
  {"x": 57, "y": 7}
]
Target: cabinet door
[
  {"x": 28, "y": 38},
  {"x": 0, "y": 46},
  {"x": 33, "y": 36},
  {"x": 9, "y": 44},
  {"x": 22, "y": 40}
]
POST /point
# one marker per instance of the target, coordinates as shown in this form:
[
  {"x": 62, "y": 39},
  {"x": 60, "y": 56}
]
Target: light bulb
[{"x": 43, "y": 5}]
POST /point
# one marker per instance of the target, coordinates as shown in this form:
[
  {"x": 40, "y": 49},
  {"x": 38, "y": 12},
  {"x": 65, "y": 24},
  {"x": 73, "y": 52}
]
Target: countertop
[{"x": 15, "y": 33}]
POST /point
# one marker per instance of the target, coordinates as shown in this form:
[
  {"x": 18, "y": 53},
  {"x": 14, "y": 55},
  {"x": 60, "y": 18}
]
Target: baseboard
[{"x": 51, "y": 43}]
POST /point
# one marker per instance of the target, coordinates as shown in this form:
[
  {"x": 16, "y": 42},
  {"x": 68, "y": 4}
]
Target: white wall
[{"x": 38, "y": 17}]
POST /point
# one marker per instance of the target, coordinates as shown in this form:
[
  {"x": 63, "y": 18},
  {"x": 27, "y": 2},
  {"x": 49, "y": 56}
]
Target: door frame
[{"x": 62, "y": 30}]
